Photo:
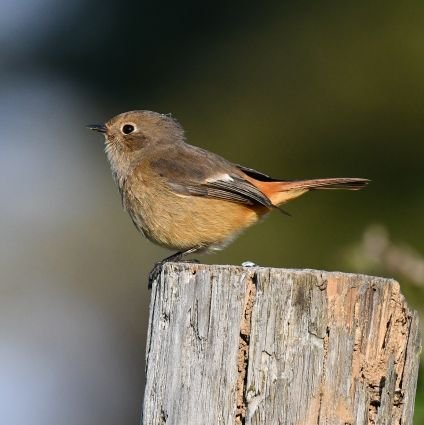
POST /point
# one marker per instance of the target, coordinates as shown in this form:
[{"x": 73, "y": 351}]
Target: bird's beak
[{"x": 101, "y": 128}]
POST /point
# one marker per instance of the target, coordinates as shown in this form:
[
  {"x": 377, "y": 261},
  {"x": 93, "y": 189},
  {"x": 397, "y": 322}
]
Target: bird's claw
[
  {"x": 192, "y": 260},
  {"x": 157, "y": 269}
]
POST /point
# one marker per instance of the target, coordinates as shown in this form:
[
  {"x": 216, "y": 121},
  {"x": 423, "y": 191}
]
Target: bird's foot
[
  {"x": 157, "y": 268},
  {"x": 191, "y": 260}
]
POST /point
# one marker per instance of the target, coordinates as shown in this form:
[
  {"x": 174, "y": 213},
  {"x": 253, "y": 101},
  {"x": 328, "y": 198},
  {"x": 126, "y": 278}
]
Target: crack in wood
[
  {"x": 243, "y": 352},
  {"x": 163, "y": 417},
  {"x": 409, "y": 320},
  {"x": 323, "y": 375}
]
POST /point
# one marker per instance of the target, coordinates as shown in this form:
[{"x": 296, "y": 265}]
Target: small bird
[{"x": 186, "y": 198}]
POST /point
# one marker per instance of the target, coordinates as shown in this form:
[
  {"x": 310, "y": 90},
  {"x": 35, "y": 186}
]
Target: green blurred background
[{"x": 301, "y": 89}]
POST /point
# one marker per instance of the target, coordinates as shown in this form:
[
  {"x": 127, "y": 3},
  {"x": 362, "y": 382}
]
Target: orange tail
[
  {"x": 349, "y": 183},
  {"x": 280, "y": 192}
]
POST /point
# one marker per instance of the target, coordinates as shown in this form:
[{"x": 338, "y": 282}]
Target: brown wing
[
  {"x": 236, "y": 190},
  {"x": 189, "y": 170},
  {"x": 257, "y": 175}
]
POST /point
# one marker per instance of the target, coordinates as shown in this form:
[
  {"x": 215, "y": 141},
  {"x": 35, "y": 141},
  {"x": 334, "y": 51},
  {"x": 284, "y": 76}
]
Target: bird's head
[{"x": 132, "y": 131}]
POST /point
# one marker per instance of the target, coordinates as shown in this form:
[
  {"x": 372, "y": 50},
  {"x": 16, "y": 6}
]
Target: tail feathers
[
  {"x": 348, "y": 183},
  {"x": 279, "y": 192}
]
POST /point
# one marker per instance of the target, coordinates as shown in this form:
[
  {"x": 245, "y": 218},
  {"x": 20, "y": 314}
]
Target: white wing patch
[{"x": 220, "y": 177}]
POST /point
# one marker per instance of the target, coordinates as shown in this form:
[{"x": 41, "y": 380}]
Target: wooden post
[{"x": 233, "y": 345}]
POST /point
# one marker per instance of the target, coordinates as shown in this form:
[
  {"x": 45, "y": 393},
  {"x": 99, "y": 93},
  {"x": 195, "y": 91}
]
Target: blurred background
[{"x": 295, "y": 89}]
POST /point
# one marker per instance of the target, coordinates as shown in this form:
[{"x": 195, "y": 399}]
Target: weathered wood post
[{"x": 233, "y": 345}]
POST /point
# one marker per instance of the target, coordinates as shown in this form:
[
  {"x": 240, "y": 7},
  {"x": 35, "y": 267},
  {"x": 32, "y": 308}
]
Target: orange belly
[{"x": 183, "y": 222}]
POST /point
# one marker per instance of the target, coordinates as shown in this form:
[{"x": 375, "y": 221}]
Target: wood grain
[{"x": 233, "y": 345}]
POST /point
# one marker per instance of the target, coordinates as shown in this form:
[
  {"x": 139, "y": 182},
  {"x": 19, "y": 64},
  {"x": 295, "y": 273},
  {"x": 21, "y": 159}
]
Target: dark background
[{"x": 296, "y": 90}]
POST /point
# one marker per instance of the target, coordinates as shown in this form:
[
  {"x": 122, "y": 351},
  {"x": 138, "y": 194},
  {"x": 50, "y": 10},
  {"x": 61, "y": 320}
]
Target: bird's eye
[{"x": 128, "y": 128}]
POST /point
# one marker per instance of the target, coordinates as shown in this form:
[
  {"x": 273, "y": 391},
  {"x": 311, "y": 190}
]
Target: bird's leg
[{"x": 177, "y": 257}]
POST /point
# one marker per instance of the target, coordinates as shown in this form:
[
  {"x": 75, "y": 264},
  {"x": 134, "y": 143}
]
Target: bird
[{"x": 186, "y": 198}]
